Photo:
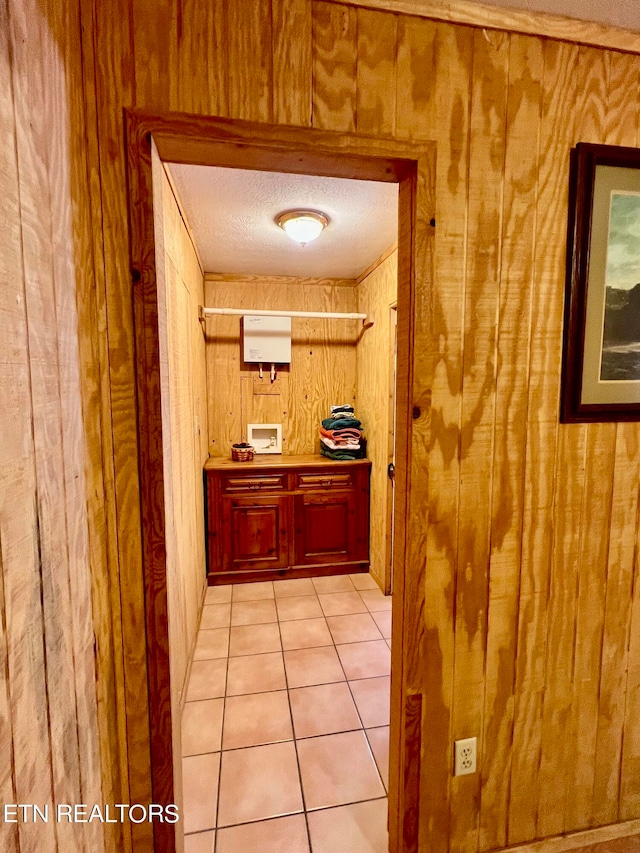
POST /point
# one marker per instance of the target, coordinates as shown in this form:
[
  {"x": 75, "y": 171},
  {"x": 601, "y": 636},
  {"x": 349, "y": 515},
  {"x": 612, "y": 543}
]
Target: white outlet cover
[{"x": 464, "y": 756}]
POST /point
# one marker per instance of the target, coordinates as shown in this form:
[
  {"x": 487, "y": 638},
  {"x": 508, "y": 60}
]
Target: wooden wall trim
[
  {"x": 579, "y": 840},
  {"x": 151, "y": 465},
  {"x": 239, "y": 278},
  {"x": 513, "y": 20}
]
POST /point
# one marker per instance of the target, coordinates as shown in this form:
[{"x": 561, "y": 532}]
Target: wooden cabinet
[{"x": 286, "y": 516}]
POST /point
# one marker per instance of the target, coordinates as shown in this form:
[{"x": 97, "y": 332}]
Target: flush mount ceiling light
[{"x": 303, "y": 226}]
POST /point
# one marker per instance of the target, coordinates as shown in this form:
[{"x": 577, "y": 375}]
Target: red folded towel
[{"x": 346, "y": 434}]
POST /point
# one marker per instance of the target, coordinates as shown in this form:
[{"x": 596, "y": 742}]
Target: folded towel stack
[{"x": 341, "y": 435}]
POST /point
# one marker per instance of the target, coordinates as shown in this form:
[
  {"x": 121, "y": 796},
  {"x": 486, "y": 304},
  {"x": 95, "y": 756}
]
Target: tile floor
[{"x": 286, "y": 724}]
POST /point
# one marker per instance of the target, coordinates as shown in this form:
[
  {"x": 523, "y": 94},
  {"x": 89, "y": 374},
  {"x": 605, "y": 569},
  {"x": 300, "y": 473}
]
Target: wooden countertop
[{"x": 276, "y": 460}]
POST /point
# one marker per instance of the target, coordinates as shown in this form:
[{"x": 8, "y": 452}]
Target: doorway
[{"x": 217, "y": 142}]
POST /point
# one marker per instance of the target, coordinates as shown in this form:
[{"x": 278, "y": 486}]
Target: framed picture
[{"x": 601, "y": 354}]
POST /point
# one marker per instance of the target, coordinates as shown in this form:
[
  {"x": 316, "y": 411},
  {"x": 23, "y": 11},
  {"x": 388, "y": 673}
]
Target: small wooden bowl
[{"x": 242, "y": 453}]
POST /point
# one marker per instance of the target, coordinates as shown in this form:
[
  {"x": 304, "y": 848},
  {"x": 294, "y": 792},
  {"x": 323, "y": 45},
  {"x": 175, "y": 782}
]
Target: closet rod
[{"x": 264, "y": 313}]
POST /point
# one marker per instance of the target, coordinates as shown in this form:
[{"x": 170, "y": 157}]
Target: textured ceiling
[
  {"x": 231, "y": 215},
  {"x": 617, "y": 13}
]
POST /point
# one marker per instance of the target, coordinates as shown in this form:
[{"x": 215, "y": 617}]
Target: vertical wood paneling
[
  {"x": 621, "y": 129},
  {"x": 34, "y": 118},
  {"x": 249, "y": 39},
  {"x": 568, "y": 573},
  {"x": 624, "y": 128},
  {"x": 65, "y": 162},
  {"x": 323, "y": 361},
  {"x": 375, "y": 294},
  {"x": 48, "y": 697},
  {"x": 507, "y": 499},
  {"x": 25, "y": 739},
  {"x": 335, "y": 51},
  {"x": 556, "y": 134},
  {"x": 202, "y": 57},
  {"x": 453, "y": 45},
  {"x": 416, "y": 78},
  {"x": 376, "y": 72},
  {"x": 609, "y": 499},
  {"x": 155, "y": 54},
  {"x": 291, "y": 32},
  {"x": 486, "y": 164},
  {"x": 114, "y": 69},
  {"x": 102, "y": 520}
]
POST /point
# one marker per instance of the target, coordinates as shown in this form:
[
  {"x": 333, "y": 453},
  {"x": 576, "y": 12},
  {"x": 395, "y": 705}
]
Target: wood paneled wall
[
  {"x": 533, "y": 602},
  {"x": 184, "y": 390},
  {"x": 323, "y": 360},
  {"x": 51, "y": 524},
  {"x": 377, "y": 291}
]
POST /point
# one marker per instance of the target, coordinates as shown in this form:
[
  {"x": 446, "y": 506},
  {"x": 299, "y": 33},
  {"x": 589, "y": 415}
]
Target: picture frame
[{"x": 601, "y": 345}]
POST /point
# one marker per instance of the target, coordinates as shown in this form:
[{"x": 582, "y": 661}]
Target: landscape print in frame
[{"x": 601, "y": 355}]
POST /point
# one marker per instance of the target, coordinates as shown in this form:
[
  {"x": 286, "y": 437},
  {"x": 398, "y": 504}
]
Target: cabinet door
[
  {"x": 325, "y": 528},
  {"x": 254, "y": 533}
]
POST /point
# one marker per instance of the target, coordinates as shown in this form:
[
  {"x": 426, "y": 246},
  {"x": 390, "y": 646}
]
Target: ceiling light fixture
[{"x": 303, "y": 226}]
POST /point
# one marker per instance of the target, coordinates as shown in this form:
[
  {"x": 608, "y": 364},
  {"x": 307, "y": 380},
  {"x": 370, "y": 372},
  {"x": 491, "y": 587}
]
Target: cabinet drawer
[
  {"x": 254, "y": 483},
  {"x": 328, "y": 480}
]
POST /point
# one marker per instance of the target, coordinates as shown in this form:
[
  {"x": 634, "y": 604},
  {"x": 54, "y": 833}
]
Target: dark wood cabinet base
[
  {"x": 286, "y": 517},
  {"x": 250, "y": 576}
]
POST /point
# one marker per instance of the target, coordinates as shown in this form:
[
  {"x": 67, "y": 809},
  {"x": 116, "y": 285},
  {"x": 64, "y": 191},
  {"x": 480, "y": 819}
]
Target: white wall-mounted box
[
  {"x": 265, "y": 438},
  {"x": 267, "y": 339}
]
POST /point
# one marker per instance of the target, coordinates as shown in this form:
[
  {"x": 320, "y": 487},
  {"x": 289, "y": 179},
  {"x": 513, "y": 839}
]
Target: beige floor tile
[
  {"x": 388, "y": 641},
  {"x": 200, "y": 843},
  {"x": 253, "y": 612},
  {"x": 216, "y": 616},
  {"x": 212, "y": 644},
  {"x": 340, "y": 603},
  {"x": 258, "y": 783},
  {"x": 254, "y": 639},
  {"x": 305, "y": 633},
  {"x": 365, "y": 660},
  {"x": 256, "y": 674},
  {"x": 218, "y": 594},
  {"x": 200, "y": 791},
  {"x": 256, "y": 718},
  {"x": 313, "y": 666},
  {"x": 363, "y": 580},
  {"x": 207, "y": 679},
  {"x": 354, "y": 628},
  {"x": 202, "y": 726},
  {"x": 375, "y": 600},
  {"x": 379, "y": 742},
  {"x": 333, "y": 583},
  {"x": 358, "y": 828},
  {"x": 279, "y": 835},
  {"x": 323, "y": 709},
  {"x": 372, "y": 696},
  {"x": 382, "y": 618},
  {"x": 293, "y": 587},
  {"x": 252, "y": 591},
  {"x": 298, "y": 607},
  {"x": 338, "y": 769}
]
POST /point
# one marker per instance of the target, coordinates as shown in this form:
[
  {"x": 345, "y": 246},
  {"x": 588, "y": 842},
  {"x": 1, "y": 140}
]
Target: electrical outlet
[{"x": 464, "y": 756}]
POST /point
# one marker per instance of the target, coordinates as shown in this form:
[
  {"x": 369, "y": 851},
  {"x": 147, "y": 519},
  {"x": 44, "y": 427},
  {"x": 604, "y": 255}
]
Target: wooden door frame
[
  {"x": 393, "y": 341},
  {"x": 199, "y": 140}
]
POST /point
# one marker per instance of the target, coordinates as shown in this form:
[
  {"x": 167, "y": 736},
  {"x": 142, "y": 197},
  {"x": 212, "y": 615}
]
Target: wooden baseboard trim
[
  {"x": 577, "y": 840},
  {"x": 316, "y": 571}
]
